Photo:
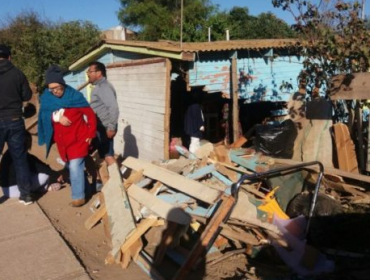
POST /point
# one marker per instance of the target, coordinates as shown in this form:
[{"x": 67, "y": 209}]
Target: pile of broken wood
[{"x": 179, "y": 219}]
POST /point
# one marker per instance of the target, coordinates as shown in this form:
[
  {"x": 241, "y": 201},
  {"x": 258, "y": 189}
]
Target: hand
[
  {"x": 111, "y": 133},
  {"x": 65, "y": 121},
  {"x": 60, "y": 179},
  {"x": 88, "y": 140}
]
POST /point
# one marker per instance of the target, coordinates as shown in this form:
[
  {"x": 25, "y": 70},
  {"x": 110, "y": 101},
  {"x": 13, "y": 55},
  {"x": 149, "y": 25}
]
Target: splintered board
[{"x": 121, "y": 220}]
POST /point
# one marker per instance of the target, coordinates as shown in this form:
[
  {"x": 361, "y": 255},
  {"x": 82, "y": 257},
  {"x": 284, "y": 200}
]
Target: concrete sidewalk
[{"x": 31, "y": 248}]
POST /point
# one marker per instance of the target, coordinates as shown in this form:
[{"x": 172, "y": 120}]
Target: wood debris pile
[{"x": 183, "y": 219}]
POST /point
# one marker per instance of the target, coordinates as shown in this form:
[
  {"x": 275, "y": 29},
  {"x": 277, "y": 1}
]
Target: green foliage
[
  {"x": 37, "y": 43},
  {"x": 335, "y": 39},
  {"x": 161, "y": 20}
]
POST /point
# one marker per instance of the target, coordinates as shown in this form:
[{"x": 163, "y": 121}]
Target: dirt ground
[{"x": 90, "y": 246}]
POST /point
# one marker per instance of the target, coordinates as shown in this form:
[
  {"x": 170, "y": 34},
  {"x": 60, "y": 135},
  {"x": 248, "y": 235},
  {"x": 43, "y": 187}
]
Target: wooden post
[
  {"x": 235, "y": 97},
  {"x": 360, "y": 139},
  {"x": 368, "y": 148}
]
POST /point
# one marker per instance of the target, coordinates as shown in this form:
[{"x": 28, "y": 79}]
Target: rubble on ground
[{"x": 194, "y": 218}]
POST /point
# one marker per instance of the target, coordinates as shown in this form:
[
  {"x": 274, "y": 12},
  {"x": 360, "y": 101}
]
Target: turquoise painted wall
[{"x": 260, "y": 78}]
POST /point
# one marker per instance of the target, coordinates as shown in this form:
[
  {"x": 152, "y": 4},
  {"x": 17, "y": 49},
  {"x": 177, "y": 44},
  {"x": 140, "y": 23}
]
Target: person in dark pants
[
  {"x": 43, "y": 178},
  {"x": 105, "y": 105},
  {"x": 14, "y": 90}
]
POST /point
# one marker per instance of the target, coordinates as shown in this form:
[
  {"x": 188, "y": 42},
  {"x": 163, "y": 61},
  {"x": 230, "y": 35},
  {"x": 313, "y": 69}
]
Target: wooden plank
[
  {"x": 176, "y": 181},
  {"x": 139, "y": 93},
  {"x": 95, "y": 217},
  {"x": 235, "y": 97},
  {"x": 136, "y": 248},
  {"x": 249, "y": 164},
  {"x": 118, "y": 208},
  {"x": 346, "y": 154},
  {"x": 241, "y": 236},
  {"x": 141, "y": 228},
  {"x": 156, "y": 62},
  {"x": 179, "y": 198},
  {"x": 148, "y": 108},
  {"x": 149, "y": 115},
  {"x": 126, "y": 259},
  {"x": 161, "y": 208},
  {"x": 141, "y": 101},
  {"x": 167, "y": 110},
  {"x": 200, "y": 173},
  {"x": 134, "y": 178}
]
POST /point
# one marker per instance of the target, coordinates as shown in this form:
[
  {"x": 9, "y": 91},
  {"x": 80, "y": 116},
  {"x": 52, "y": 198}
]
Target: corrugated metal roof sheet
[
  {"x": 208, "y": 46},
  {"x": 184, "y": 51}
]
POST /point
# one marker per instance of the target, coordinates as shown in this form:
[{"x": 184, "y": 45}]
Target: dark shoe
[
  {"x": 26, "y": 200},
  {"x": 78, "y": 202}
]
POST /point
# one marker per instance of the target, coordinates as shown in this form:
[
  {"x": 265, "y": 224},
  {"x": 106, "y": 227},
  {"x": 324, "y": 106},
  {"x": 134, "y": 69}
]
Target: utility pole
[
  {"x": 182, "y": 12},
  {"x": 363, "y": 9}
]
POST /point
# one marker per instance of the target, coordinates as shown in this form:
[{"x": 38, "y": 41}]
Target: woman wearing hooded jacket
[{"x": 66, "y": 118}]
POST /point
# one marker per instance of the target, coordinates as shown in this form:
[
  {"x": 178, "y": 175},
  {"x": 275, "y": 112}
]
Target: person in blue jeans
[
  {"x": 14, "y": 90},
  {"x": 65, "y": 118}
]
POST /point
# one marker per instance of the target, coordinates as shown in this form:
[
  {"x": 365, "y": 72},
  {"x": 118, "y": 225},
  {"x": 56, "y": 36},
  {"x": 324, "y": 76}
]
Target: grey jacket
[{"x": 104, "y": 103}]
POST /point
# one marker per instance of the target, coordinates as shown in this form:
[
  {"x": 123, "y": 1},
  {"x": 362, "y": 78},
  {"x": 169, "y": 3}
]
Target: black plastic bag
[{"x": 276, "y": 140}]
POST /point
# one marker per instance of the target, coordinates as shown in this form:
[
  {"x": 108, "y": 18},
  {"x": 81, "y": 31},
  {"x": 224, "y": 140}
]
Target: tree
[
  {"x": 161, "y": 20},
  {"x": 37, "y": 43},
  {"x": 334, "y": 36},
  {"x": 264, "y": 26},
  {"x": 335, "y": 41}
]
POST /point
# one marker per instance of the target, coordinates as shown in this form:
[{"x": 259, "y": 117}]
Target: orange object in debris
[{"x": 271, "y": 207}]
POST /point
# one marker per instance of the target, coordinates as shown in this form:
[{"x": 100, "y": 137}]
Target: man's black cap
[{"x": 4, "y": 51}]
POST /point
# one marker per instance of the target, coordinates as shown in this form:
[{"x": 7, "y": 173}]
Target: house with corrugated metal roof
[{"x": 153, "y": 81}]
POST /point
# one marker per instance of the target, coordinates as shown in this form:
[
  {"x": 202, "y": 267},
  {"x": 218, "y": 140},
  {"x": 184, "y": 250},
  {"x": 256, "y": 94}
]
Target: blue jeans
[
  {"x": 12, "y": 132},
  {"x": 78, "y": 178}
]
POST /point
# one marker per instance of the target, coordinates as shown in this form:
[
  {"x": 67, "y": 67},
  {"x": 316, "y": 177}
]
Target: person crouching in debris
[
  {"x": 194, "y": 123},
  {"x": 43, "y": 178},
  {"x": 67, "y": 118}
]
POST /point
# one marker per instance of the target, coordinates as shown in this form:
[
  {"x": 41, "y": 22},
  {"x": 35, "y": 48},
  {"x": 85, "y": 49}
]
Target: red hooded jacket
[{"x": 71, "y": 140}]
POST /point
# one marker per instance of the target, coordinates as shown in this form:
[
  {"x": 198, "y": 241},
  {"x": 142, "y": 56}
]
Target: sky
[{"x": 103, "y": 13}]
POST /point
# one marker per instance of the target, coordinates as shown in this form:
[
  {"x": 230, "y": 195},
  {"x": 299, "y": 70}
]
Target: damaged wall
[{"x": 260, "y": 78}]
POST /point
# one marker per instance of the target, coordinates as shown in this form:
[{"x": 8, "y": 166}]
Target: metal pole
[
  {"x": 182, "y": 13},
  {"x": 363, "y": 9}
]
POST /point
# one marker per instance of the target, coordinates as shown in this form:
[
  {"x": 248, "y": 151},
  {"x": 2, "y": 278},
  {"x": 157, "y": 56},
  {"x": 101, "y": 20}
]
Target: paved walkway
[{"x": 31, "y": 248}]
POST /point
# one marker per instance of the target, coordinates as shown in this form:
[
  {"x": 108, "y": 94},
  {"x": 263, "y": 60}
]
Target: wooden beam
[
  {"x": 121, "y": 220},
  {"x": 235, "y": 98},
  {"x": 173, "y": 180},
  {"x": 161, "y": 208},
  {"x": 167, "y": 114},
  {"x": 95, "y": 217},
  {"x": 141, "y": 228}
]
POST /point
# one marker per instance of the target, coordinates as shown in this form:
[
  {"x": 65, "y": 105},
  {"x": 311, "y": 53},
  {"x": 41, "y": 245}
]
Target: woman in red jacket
[{"x": 66, "y": 117}]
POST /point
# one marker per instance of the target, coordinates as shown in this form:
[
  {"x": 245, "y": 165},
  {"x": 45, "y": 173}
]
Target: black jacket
[
  {"x": 14, "y": 90},
  {"x": 194, "y": 121},
  {"x": 8, "y": 175}
]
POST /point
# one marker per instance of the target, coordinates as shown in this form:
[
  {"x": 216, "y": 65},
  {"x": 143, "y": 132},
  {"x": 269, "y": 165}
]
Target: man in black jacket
[{"x": 14, "y": 90}]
